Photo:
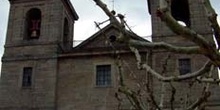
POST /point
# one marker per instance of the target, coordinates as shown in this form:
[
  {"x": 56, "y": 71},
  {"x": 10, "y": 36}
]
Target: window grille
[{"x": 103, "y": 75}]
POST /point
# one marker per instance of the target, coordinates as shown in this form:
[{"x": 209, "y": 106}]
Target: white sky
[{"x": 136, "y": 14}]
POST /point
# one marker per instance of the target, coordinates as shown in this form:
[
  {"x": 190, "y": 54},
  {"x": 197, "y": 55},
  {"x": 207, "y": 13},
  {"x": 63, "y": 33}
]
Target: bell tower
[
  {"x": 38, "y": 31},
  {"x": 191, "y": 14},
  {"x": 40, "y": 23}
]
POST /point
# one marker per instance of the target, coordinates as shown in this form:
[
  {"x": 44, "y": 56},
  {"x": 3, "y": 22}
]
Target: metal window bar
[{"x": 103, "y": 75}]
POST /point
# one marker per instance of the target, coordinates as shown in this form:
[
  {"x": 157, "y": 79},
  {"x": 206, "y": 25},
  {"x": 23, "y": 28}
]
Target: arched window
[
  {"x": 33, "y": 23},
  {"x": 65, "y": 31},
  {"x": 180, "y": 11}
]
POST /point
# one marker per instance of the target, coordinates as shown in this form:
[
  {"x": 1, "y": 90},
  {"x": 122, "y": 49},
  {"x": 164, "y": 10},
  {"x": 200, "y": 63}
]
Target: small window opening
[
  {"x": 184, "y": 66},
  {"x": 180, "y": 11},
  {"x": 65, "y": 31},
  {"x": 103, "y": 75},
  {"x": 27, "y": 77},
  {"x": 33, "y": 23},
  {"x": 112, "y": 38}
]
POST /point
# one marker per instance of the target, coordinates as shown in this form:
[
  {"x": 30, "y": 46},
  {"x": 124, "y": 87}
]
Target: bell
[{"x": 34, "y": 33}]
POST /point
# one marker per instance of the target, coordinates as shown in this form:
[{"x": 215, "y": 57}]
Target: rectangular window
[
  {"x": 184, "y": 66},
  {"x": 103, "y": 75},
  {"x": 27, "y": 77}
]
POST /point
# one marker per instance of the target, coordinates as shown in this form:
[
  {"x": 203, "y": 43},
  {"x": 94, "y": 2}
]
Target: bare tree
[{"x": 203, "y": 47}]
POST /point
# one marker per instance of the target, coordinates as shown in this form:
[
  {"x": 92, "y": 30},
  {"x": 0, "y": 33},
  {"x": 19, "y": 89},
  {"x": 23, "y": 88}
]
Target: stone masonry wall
[
  {"x": 41, "y": 95},
  {"x": 76, "y": 83},
  {"x": 189, "y": 90}
]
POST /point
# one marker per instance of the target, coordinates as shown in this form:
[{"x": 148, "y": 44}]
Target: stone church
[{"x": 41, "y": 70}]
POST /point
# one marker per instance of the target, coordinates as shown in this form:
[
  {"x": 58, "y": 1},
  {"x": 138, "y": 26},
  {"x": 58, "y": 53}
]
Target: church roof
[{"x": 100, "y": 40}]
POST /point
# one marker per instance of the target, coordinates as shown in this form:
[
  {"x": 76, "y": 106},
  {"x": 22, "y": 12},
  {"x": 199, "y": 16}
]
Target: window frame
[
  {"x": 185, "y": 66},
  {"x": 107, "y": 76},
  {"x": 33, "y": 15},
  {"x": 27, "y": 77}
]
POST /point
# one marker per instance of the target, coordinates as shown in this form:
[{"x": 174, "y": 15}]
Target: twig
[
  {"x": 212, "y": 16},
  {"x": 131, "y": 95},
  {"x": 172, "y": 99},
  {"x": 202, "y": 99},
  {"x": 152, "y": 99}
]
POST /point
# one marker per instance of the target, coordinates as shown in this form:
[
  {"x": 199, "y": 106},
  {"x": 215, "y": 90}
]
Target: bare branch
[
  {"x": 173, "y": 92},
  {"x": 203, "y": 70},
  {"x": 187, "y": 33},
  {"x": 152, "y": 98},
  {"x": 163, "y": 72},
  {"x": 204, "y": 47},
  {"x": 212, "y": 16},
  {"x": 166, "y": 46},
  {"x": 131, "y": 95},
  {"x": 106, "y": 10},
  {"x": 208, "y": 80},
  {"x": 119, "y": 100},
  {"x": 201, "y": 100},
  {"x": 207, "y": 47}
]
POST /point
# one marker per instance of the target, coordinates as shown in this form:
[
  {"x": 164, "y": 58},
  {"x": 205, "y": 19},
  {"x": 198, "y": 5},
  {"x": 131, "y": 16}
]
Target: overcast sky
[{"x": 136, "y": 14}]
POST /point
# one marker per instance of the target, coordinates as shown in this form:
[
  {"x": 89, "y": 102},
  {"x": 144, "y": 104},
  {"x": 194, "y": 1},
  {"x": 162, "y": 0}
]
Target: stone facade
[{"x": 64, "y": 78}]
